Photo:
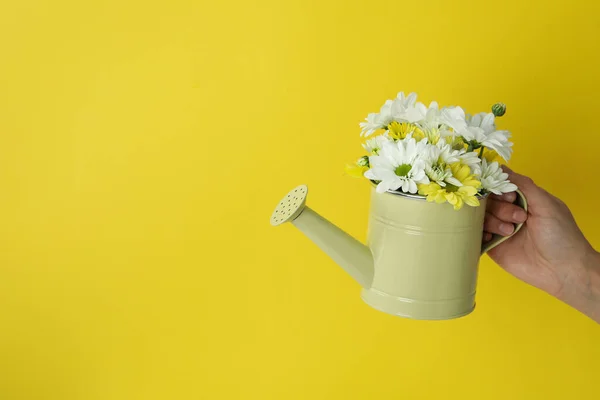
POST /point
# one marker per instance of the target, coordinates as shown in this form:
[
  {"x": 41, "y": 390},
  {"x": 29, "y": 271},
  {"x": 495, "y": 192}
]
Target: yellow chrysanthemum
[
  {"x": 358, "y": 169},
  {"x": 399, "y": 130},
  {"x": 455, "y": 195}
]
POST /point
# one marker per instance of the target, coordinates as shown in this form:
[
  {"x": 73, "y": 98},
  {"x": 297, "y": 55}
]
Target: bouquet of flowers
[{"x": 442, "y": 154}]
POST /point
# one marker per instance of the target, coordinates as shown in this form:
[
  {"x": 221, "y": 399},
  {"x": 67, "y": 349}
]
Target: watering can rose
[{"x": 442, "y": 154}]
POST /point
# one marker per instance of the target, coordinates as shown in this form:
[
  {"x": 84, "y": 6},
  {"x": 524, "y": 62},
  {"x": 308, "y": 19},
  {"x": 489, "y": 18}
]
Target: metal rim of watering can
[{"x": 419, "y": 197}]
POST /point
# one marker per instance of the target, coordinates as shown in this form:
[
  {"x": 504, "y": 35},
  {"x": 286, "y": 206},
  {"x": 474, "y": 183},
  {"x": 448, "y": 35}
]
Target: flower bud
[
  {"x": 363, "y": 161},
  {"x": 499, "y": 109}
]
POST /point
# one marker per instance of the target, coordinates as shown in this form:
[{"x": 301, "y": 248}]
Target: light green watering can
[{"x": 421, "y": 258}]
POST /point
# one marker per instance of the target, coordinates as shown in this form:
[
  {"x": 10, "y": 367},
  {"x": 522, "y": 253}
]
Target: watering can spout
[{"x": 353, "y": 256}]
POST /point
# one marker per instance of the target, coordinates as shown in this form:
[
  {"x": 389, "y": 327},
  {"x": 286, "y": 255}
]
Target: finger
[
  {"x": 506, "y": 212},
  {"x": 493, "y": 224},
  {"x": 487, "y": 236},
  {"x": 509, "y": 197}
]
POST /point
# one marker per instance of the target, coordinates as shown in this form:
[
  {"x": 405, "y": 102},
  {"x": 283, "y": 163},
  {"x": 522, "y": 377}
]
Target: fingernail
[
  {"x": 510, "y": 197},
  {"x": 519, "y": 216},
  {"x": 506, "y": 229}
]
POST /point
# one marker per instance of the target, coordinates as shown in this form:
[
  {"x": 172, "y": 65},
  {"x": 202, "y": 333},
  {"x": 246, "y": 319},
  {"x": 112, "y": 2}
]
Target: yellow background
[{"x": 144, "y": 144}]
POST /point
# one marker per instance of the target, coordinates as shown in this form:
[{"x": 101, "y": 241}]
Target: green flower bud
[
  {"x": 363, "y": 161},
  {"x": 499, "y": 109}
]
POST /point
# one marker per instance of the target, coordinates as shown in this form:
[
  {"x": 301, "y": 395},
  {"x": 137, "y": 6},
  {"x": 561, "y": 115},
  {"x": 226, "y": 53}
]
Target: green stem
[{"x": 481, "y": 152}]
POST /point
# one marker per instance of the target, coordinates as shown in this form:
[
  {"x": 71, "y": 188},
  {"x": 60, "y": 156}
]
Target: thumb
[{"x": 536, "y": 197}]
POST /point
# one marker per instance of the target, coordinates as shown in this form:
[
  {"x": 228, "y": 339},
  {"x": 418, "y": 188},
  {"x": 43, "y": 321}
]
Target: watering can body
[
  {"x": 421, "y": 258},
  {"x": 426, "y": 256}
]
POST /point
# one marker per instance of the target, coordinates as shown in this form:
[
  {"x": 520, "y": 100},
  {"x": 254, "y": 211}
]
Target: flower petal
[
  {"x": 471, "y": 201},
  {"x": 412, "y": 187}
]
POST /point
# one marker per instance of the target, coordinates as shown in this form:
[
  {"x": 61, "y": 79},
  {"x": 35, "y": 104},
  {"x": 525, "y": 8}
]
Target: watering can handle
[{"x": 521, "y": 201}]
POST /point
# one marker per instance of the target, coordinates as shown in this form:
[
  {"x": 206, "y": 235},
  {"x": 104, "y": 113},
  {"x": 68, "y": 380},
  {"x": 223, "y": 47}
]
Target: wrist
[
  {"x": 585, "y": 295},
  {"x": 594, "y": 287}
]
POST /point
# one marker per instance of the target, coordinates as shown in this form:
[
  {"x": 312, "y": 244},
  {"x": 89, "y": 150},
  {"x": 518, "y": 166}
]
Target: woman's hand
[{"x": 549, "y": 252}]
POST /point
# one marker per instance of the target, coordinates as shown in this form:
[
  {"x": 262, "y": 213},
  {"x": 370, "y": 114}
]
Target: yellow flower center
[{"x": 399, "y": 131}]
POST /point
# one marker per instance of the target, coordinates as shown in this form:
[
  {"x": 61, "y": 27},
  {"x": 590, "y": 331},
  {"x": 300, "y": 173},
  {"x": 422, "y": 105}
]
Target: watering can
[{"x": 421, "y": 259}]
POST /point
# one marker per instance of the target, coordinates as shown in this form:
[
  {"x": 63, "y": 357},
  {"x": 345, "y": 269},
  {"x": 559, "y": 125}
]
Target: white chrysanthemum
[
  {"x": 440, "y": 174},
  {"x": 478, "y": 130},
  {"x": 481, "y": 129},
  {"x": 402, "y": 103},
  {"x": 432, "y": 125},
  {"x": 437, "y": 163},
  {"x": 399, "y": 166},
  {"x": 445, "y": 153},
  {"x": 454, "y": 117},
  {"x": 494, "y": 179},
  {"x": 485, "y": 121},
  {"x": 375, "y": 144},
  {"x": 377, "y": 120},
  {"x": 412, "y": 113},
  {"x": 390, "y": 111},
  {"x": 472, "y": 160}
]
